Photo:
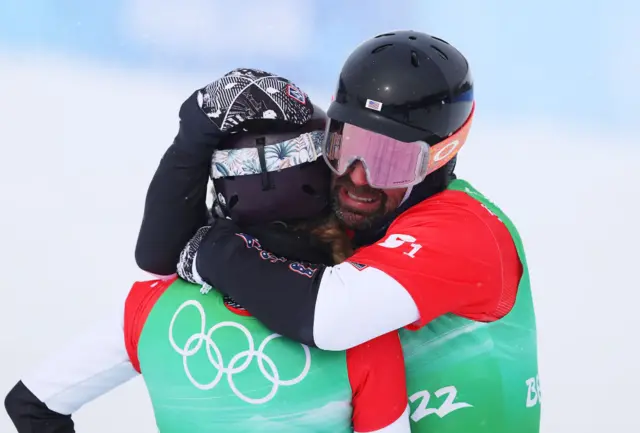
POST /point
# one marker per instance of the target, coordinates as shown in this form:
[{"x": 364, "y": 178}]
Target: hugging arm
[
  {"x": 175, "y": 206},
  {"x": 329, "y": 307},
  {"x": 174, "y": 209},
  {"x": 465, "y": 264}
]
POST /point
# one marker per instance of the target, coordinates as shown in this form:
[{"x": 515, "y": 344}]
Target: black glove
[
  {"x": 220, "y": 227},
  {"x": 198, "y": 135},
  {"x": 187, "y": 262}
]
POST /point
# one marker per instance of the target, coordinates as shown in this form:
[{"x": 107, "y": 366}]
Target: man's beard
[{"x": 366, "y": 220}]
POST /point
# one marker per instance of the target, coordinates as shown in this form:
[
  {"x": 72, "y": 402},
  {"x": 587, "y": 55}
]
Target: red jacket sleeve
[
  {"x": 140, "y": 300},
  {"x": 377, "y": 377},
  {"x": 453, "y": 256}
]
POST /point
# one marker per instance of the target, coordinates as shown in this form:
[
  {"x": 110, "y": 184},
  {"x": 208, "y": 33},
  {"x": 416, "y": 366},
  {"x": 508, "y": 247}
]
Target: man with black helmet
[{"x": 433, "y": 255}]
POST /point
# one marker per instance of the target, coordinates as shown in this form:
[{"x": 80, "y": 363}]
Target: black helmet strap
[{"x": 266, "y": 179}]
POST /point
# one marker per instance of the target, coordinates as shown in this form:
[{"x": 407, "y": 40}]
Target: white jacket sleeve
[
  {"x": 355, "y": 306},
  {"x": 89, "y": 366}
]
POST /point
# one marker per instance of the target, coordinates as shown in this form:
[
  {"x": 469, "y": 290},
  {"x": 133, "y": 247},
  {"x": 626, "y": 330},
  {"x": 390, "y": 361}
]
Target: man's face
[{"x": 358, "y": 205}]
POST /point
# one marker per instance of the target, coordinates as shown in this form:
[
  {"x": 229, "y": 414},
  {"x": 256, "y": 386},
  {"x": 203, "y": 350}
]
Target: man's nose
[{"x": 358, "y": 174}]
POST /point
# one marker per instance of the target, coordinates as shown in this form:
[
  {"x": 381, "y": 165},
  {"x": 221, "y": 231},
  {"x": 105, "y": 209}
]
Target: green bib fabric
[
  {"x": 222, "y": 372},
  {"x": 465, "y": 376}
]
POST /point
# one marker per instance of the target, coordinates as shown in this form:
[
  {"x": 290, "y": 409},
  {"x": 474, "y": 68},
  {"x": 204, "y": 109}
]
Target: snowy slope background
[{"x": 89, "y": 101}]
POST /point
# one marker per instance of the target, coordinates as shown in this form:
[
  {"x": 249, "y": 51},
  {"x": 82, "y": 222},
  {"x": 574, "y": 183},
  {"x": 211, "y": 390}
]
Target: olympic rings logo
[{"x": 194, "y": 344}]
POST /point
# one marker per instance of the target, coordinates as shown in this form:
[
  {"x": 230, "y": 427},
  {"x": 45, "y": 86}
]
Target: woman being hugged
[{"x": 208, "y": 365}]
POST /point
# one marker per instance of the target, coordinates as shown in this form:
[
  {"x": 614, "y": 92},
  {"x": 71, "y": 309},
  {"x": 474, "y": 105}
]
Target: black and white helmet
[
  {"x": 269, "y": 167},
  {"x": 272, "y": 171}
]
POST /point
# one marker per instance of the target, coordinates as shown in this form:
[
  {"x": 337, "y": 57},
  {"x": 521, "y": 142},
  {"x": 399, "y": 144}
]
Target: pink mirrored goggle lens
[{"x": 389, "y": 163}]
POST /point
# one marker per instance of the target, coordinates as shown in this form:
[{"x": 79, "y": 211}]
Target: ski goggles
[{"x": 388, "y": 163}]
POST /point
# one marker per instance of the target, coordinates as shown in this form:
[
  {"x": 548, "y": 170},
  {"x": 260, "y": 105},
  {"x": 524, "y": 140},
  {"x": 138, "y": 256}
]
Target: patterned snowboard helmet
[{"x": 271, "y": 168}]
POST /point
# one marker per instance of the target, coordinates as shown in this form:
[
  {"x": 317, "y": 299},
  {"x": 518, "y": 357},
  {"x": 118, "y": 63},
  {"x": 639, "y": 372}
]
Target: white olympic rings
[{"x": 200, "y": 337}]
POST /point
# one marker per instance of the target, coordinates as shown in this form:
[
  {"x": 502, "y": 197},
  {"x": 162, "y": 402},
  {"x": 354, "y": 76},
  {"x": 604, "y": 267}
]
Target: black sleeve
[
  {"x": 175, "y": 207},
  {"x": 237, "y": 266},
  {"x": 30, "y": 415}
]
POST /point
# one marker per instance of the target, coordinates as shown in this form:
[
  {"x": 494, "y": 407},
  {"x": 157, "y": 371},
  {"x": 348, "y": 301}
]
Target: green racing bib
[
  {"x": 208, "y": 369},
  {"x": 465, "y": 376}
]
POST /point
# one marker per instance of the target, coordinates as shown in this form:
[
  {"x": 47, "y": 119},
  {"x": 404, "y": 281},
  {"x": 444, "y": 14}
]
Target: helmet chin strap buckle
[{"x": 266, "y": 179}]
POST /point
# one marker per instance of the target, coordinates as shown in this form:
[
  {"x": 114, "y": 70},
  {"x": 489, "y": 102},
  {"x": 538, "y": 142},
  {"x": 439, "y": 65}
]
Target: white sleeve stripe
[
  {"x": 355, "y": 306},
  {"x": 401, "y": 425}
]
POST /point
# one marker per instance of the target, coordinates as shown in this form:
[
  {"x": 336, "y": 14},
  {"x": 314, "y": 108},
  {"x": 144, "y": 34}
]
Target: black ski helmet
[
  {"x": 423, "y": 85},
  {"x": 294, "y": 190},
  {"x": 422, "y": 90}
]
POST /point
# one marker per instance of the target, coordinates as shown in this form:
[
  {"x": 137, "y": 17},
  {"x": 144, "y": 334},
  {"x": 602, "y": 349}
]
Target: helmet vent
[
  {"x": 384, "y": 34},
  {"x": 413, "y": 38},
  {"x": 441, "y": 40},
  {"x": 440, "y": 52},
  {"x": 415, "y": 61},
  {"x": 380, "y": 48}
]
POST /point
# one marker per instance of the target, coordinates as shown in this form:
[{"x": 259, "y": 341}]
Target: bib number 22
[{"x": 448, "y": 405}]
